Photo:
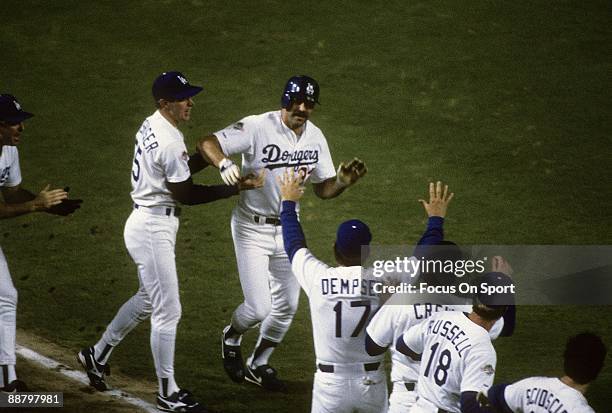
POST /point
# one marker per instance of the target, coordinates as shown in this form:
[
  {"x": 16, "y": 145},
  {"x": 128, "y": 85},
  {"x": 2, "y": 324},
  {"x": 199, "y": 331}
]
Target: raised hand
[
  {"x": 291, "y": 185},
  {"x": 347, "y": 175},
  {"x": 438, "y": 200}
]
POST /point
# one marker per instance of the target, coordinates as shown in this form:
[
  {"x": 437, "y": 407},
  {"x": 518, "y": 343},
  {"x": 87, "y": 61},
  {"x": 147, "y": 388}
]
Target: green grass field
[{"x": 510, "y": 102}]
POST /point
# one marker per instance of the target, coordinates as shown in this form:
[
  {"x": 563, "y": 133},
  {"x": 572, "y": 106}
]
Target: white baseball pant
[
  {"x": 150, "y": 240},
  {"x": 401, "y": 399},
  {"x": 363, "y": 392},
  {"x": 8, "y": 314},
  {"x": 271, "y": 292}
]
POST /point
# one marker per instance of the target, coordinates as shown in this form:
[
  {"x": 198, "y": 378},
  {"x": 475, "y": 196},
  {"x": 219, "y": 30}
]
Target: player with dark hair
[
  {"x": 275, "y": 140},
  {"x": 161, "y": 178},
  {"x": 583, "y": 359},
  {"x": 17, "y": 201}
]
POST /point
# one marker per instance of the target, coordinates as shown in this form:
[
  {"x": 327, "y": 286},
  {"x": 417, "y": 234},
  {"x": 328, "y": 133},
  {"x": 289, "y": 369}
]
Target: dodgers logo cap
[
  {"x": 11, "y": 111},
  {"x": 351, "y": 236},
  {"x": 173, "y": 86}
]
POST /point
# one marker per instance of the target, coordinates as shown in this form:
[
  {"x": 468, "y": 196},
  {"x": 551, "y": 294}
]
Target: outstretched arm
[
  {"x": 211, "y": 152},
  {"x": 439, "y": 198},
  {"x": 188, "y": 193},
  {"x": 346, "y": 176},
  {"x": 291, "y": 192},
  {"x": 19, "y": 201}
]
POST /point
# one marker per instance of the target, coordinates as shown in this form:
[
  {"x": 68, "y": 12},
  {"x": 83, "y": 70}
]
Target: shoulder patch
[
  {"x": 238, "y": 126},
  {"x": 185, "y": 156},
  {"x": 488, "y": 370}
]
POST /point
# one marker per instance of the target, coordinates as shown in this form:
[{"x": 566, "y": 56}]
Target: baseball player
[
  {"x": 583, "y": 360},
  {"x": 342, "y": 300},
  {"x": 275, "y": 141},
  {"x": 457, "y": 359},
  {"x": 397, "y": 316},
  {"x": 17, "y": 201},
  {"x": 161, "y": 177}
]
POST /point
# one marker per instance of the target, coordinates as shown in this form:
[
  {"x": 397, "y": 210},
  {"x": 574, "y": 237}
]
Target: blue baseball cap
[
  {"x": 173, "y": 86},
  {"x": 11, "y": 111},
  {"x": 500, "y": 298},
  {"x": 351, "y": 235}
]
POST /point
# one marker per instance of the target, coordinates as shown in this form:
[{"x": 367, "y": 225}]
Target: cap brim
[
  {"x": 189, "y": 92},
  {"x": 20, "y": 117}
]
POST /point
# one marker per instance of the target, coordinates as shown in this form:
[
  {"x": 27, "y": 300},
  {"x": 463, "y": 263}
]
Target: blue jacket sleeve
[
  {"x": 497, "y": 399},
  {"x": 470, "y": 404},
  {"x": 434, "y": 234},
  {"x": 293, "y": 236}
]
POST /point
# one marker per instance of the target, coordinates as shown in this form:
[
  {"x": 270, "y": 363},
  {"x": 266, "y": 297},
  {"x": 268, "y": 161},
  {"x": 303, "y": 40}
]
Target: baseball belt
[
  {"x": 159, "y": 210},
  {"x": 330, "y": 368},
  {"x": 266, "y": 220}
]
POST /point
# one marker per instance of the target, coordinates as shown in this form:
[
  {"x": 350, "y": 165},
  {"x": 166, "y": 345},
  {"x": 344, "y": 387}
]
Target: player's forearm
[
  {"x": 203, "y": 194},
  {"x": 293, "y": 236},
  {"x": 509, "y": 321},
  {"x": 14, "y": 210},
  {"x": 433, "y": 235},
  {"x": 330, "y": 188},
  {"x": 210, "y": 150},
  {"x": 470, "y": 404},
  {"x": 17, "y": 196},
  {"x": 196, "y": 163}
]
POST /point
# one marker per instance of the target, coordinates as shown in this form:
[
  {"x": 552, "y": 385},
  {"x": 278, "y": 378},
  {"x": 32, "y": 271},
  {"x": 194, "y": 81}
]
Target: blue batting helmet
[{"x": 302, "y": 89}]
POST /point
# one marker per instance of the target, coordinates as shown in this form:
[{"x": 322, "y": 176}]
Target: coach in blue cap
[{"x": 17, "y": 201}]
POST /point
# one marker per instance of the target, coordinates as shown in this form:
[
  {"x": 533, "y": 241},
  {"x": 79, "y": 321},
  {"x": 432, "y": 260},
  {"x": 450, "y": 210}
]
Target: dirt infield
[{"x": 77, "y": 397}]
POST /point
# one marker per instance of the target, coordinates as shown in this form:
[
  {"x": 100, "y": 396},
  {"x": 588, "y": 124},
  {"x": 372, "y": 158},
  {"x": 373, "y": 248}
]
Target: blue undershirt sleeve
[{"x": 293, "y": 236}]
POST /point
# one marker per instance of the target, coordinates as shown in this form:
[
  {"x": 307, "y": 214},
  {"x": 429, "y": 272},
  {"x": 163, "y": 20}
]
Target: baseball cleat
[
  {"x": 180, "y": 401},
  {"x": 265, "y": 376},
  {"x": 14, "y": 387},
  {"x": 95, "y": 371},
  {"x": 232, "y": 359}
]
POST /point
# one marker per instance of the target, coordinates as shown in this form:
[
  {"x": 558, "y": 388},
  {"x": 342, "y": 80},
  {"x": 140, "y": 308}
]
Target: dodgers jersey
[
  {"x": 393, "y": 320},
  {"x": 456, "y": 356},
  {"x": 10, "y": 172},
  {"x": 341, "y": 305},
  {"x": 266, "y": 142},
  {"x": 545, "y": 395},
  {"x": 160, "y": 155}
]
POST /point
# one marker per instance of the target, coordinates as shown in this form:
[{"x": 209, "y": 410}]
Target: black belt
[
  {"x": 266, "y": 220},
  {"x": 160, "y": 210},
  {"x": 328, "y": 368},
  {"x": 410, "y": 386},
  {"x": 443, "y": 411}
]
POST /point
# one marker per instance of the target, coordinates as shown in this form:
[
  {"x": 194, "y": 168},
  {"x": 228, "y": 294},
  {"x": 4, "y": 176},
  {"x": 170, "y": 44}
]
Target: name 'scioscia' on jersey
[
  {"x": 266, "y": 142},
  {"x": 160, "y": 155},
  {"x": 545, "y": 395}
]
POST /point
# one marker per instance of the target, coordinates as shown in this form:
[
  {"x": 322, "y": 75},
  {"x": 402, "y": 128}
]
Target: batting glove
[{"x": 229, "y": 172}]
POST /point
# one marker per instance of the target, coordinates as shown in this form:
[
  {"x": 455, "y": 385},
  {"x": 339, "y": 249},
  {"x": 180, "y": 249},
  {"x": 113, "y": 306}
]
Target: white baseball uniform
[
  {"x": 342, "y": 302},
  {"x": 270, "y": 291},
  {"x": 545, "y": 395},
  {"x": 160, "y": 155},
  {"x": 456, "y": 356},
  {"x": 10, "y": 175},
  {"x": 391, "y": 322}
]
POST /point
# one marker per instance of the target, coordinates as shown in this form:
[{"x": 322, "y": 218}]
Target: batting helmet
[{"x": 300, "y": 89}]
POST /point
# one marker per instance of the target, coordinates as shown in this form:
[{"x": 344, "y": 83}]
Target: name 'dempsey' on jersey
[{"x": 278, "y": 159}]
